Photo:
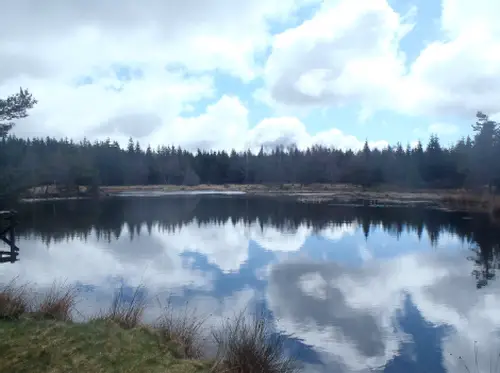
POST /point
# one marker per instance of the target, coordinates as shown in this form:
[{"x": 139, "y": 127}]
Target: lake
[{"x": 354, "y": 288}]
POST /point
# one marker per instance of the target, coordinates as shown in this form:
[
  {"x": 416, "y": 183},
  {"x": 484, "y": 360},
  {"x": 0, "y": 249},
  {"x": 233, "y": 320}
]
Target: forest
[{"x": 469, "y": 163}]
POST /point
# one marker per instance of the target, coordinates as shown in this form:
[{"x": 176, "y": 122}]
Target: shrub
[
  {"x": 13, "y": 301},
  {"x": 183, "y": 329},
  {"x": 251, "y": 346},
  {"x": 57, "y": 304}
]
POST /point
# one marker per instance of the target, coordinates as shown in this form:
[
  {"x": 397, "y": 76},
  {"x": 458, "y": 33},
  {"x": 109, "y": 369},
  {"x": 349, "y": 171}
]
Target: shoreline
[
  {"x": 341, "y": 194},
  {"x": 330, "y": 194}
]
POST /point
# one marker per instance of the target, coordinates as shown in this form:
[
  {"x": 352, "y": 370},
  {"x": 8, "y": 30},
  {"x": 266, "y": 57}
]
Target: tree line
[{"x": 470, "y": 162}]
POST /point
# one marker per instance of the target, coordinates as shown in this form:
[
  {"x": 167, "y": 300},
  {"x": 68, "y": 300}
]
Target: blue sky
[{"x": 223, "y": 76}]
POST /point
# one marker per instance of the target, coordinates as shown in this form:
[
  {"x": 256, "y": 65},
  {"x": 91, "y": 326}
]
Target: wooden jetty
[{"x": 8, "y": 222}]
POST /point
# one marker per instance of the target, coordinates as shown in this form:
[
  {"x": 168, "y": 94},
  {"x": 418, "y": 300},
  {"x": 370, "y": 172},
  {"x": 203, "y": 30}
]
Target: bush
[
  {"x": 57, "y": 304},
  {"x": 182, "y": 329},
  {"x": 248, "y": 347},
  {"x": 13, "y": 301}
]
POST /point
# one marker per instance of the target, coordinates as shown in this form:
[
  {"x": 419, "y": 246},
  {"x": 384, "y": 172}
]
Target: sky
[{"x": 214, "y": 74}]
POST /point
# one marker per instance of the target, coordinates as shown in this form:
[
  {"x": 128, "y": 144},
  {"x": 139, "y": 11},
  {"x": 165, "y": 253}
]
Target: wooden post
[{"x": 8, "y": 221}]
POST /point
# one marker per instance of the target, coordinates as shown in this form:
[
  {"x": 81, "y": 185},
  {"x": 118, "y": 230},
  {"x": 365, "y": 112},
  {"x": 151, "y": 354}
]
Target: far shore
[
  {"x": 342, "y": 194},
  {"x": 330, "y": 194}
]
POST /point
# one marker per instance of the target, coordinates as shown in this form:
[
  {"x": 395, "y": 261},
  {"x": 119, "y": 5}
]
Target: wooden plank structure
[{"x": 8, "y": 222}]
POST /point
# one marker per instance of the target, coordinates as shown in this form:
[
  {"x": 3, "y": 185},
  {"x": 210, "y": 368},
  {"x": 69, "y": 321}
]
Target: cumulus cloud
[
  {"x": 122, "y": 69},
  {"x": 439, "y": 129},
  {"x": 288, "y": 131},
  {"x": 459, "y": 76},
  {"x": 77, "y": 38},
  {"x": 350, "y": 52},
  {"x": 125, "y": 69}
]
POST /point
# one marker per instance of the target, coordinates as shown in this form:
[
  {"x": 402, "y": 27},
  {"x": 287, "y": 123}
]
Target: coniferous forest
[{"x": 469, "y": 163}]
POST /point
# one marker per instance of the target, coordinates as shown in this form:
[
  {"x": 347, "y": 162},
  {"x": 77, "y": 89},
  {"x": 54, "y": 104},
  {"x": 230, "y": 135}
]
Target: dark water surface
[{"x": 355, "y": 289}]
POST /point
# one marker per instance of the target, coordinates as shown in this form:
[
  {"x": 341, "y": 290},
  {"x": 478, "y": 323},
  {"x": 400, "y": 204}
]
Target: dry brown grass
[
  {"x": 251, "y": 346},
  {"x": 13, "y": 301},
  {"x": 127, "y": 313},
  {"x": 57, "y": 304},
  {"x": 18, "y": 301},
  {"x": 182, "y": 328},
  {"x": 474, "y": 202}
]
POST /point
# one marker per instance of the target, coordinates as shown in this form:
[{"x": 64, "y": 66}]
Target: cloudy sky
[{"x": 222, "y": 74}]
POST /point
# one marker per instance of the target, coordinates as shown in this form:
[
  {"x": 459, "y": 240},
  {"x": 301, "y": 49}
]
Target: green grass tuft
[
  {"x": 126, "y": 313},
  {"x": 182, "y": 329}
]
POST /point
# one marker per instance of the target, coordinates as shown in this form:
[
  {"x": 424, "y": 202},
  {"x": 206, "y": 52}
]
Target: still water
[{"x": 354, "y": 288}]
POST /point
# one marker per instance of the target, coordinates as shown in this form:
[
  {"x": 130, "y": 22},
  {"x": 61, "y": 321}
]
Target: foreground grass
[
  {"x": 29, "y": 345},
  {"x": 38, "y": 335}
]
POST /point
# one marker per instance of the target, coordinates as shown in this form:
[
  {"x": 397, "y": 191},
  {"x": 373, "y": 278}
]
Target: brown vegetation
[
  {"x": 18, "y": 301},
  {"x": 57, "y": 304},
  {"x": 13, "y": 301}
]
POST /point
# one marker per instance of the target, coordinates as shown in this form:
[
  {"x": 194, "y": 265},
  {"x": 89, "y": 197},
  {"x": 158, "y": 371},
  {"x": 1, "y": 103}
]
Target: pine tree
[{"x": 14, "y": 107}]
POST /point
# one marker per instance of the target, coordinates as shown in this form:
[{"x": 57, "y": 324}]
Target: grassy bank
[
  {"x": 51, "y": 346},
  {"x": 37, "y": 334}
]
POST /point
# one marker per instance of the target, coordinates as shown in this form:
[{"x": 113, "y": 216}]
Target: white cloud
[
  {"x": 350, "y": 52},
  {"x": 347, "y": 52},
  {"x": 338, "y": 139},
  {"x": 74, "y": 38},
  {"x": 95, "y": 110},
  {"x": 79, "y": 62},
  {"x": 223, "y": 125},
  {"x": 443, "y": 129},
  {"x": 287, "y": 131},
  {"x": 459, "y": 76},
  {"x": 439, "y": 129}
]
